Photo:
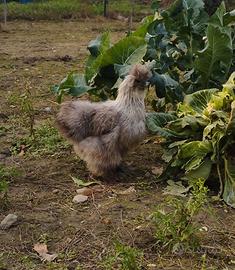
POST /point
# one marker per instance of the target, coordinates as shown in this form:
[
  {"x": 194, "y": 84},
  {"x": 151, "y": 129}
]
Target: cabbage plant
[{"x": 200, "y": 137}]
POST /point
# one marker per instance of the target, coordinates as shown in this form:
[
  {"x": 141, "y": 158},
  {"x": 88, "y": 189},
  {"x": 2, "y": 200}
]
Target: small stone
[
  {"x": 8, "y": 221},
  {"x": 47, "y": 109},
  {"x": 55, "y": 191},
  {"x": 80, "y": 198}
]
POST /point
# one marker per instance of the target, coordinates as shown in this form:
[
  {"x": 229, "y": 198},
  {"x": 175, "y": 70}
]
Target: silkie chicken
[{"x": 103, "y": 132}]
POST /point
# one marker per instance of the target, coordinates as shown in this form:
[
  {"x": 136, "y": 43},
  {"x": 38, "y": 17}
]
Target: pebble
[
  {"x": 80, "y": 198},
  {"x": 8, "y": 221},
  {"x": 47, "y": 109}
]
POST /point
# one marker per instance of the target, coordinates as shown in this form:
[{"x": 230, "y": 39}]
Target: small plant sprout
[
  {"x": 6, "y": 175},
  {"x": 27, "y": 108},
  {"x": 124, "y": 258},
  {"x": 174, "y": 220}
]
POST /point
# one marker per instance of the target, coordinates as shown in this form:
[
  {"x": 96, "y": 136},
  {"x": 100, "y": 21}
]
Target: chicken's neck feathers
[{"x": 130, "y": 101}]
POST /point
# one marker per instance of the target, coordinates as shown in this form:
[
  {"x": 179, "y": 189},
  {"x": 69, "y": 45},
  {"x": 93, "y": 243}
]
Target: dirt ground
[{"x": 34, "y": 56}]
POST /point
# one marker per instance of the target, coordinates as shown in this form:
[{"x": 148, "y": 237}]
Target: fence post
[{"x": 105, "y": 7}]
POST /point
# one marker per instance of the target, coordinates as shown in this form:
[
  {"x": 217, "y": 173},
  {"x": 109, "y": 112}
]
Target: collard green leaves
[
  {"x": 214, "y": 61},
  {"x": 206, "y": 121},
  {"x": 190, "y": 48},
  {"x": 74, "y": 84},
  {"x": 191, "y": 51}
]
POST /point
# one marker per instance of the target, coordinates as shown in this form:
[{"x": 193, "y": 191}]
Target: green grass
[
  {"x": 177, "y": 229},
  {"x": 72, "y": 9},
  {"x": 123, "y": 257},
  {"x": 7, "y": 174},
  {"x": 45, "y": 141}
]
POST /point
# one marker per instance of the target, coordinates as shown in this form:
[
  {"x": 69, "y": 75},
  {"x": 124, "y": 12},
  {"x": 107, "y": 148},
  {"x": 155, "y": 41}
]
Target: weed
[
  {"x": 46, "y": 140},
  {"x": 6, "y": 175},
  {"x": 44, "y": 238},
  {"x": 203, "y": 266},
  {"x": 28, "y": 110},
  {"x": 176, "y": 228},
  {"x": 124, "y": 258},
  {"x": 24, "y": 103}
]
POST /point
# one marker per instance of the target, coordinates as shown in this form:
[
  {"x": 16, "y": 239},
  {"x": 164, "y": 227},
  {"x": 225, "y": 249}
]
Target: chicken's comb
[{"x": 141, "y": 72}]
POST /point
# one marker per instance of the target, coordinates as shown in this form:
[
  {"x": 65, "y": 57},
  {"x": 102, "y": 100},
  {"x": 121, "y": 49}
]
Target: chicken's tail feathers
[
  {"x": 67, "y": 122},
  {"x": 141, "y": 72}
]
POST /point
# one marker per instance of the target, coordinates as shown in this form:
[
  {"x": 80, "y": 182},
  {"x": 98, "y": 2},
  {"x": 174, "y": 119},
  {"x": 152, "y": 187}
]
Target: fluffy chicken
[{"x": 103, "y": 132}]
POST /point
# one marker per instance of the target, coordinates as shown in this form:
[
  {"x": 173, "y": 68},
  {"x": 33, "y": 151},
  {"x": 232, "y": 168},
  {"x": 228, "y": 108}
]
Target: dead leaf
[
  {"x": 127, "y": 191},
  {"x": 146, "y": 141},
  {"x": 22, "y": 150},
  {"x": 176, "y": 189},
  {"x": 42, "y": 250},
  {"x": 85, "y": 191},
  {"x": 80, "y": 198},
  {"x": 157, "y": 170}
]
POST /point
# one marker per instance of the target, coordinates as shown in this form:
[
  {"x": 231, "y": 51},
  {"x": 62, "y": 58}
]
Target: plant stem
[{"x": 220, "y": 180}]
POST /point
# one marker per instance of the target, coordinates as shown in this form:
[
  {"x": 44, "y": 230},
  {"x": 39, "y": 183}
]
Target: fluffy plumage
[{"x": 103, "y": 132}]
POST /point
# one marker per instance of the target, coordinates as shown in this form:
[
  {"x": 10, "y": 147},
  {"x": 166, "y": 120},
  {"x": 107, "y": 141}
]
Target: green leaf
[
  {"x": 203, "y": 171},
  {"x": 229, "y": 17},
  {"x": 167, "y": 87},
  {"x": 199, "y": 100},
  {"x": 141, "y": 31},
  {"x": 127, "y": 51},
  {"x": 195, "y": 148},
  {"x": 215, "y": 59},
  {"x": 176, "y": 189},
  {"x": 229, "y": 86},
  {"x": 99, "y": 45},
  {"x": 229, "y": 181},
  {"x": 156, "y": 121},
  {"x": 81, "y": 183},
  {"x": 74, "y": 84}
]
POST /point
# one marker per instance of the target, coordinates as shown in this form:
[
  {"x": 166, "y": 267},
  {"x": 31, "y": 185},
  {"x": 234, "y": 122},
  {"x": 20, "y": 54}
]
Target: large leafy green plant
[
  {"x": 105, "y": 65},
  {"x": 191, "y": 51},
  {"x": 200, "y": 137}
]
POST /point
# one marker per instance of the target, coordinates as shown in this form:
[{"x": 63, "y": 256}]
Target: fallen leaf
[
  {"x": 85, "y": 191},
  {"x": 42, "y": 250},
  {"x": 80, "y": 198},
  {"x": 157, "y": 170},
  {"x": 146, "y": 141},
  {"x": 176, "y": 189},
  {"x": 22, "y": 150},
  {"x": 81, "y": 183},
  {"x": 126, "y": 191}
]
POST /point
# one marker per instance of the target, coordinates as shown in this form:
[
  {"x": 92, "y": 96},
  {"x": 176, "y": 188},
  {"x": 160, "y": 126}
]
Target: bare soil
[{"x": 35, "y": 56}]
